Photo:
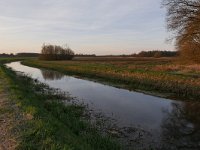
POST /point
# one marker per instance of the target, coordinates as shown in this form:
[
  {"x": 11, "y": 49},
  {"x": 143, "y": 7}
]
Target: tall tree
[{"x": 183, "y": 18}]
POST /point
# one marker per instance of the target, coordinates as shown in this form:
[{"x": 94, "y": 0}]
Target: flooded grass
[
  {"x": 152, "y": 75},
  {"x": 49, "y": 124}
]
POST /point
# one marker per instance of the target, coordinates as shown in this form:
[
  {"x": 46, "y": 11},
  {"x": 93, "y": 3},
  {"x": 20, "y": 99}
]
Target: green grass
[
  {"x": 156, "y": 76},
  {"x": 11, "y": 59},
  {"x": 47, "y": 122}
]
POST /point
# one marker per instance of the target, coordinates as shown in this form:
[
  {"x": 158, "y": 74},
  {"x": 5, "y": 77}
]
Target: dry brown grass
[{"x": 160, "y": 75}]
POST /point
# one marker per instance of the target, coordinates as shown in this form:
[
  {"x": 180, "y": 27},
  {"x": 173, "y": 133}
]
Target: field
[
  {"x": 34, "y": 116},
  {"x": 158, "y": 76}
]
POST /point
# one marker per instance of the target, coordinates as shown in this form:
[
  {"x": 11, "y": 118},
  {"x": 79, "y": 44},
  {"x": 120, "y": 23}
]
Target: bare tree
[
  {"x": 55, "y": 52},
  {"x": 183, "y": 18}
]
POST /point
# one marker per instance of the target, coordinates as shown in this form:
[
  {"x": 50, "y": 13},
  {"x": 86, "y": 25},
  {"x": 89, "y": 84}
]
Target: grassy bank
[
  {"x": 153, "y": 75},
  {"x": 9, "y": 113},
  {"x": 11, "y": 59},
  {"x": 46, "y": 123}
]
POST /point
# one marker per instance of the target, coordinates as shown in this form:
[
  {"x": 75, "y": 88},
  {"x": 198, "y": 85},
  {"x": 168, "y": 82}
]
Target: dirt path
[{"x": 8, "y": 118}]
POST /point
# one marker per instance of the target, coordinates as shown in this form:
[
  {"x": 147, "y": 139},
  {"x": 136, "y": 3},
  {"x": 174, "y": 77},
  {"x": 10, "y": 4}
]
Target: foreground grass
[
  {"x": 47, "y": 122},
  {"x": 153, "y": 75},
  {"x": 9, "y": 113}
]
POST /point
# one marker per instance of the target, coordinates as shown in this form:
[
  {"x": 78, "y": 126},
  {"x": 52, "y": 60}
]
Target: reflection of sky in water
[{"x": 129, "y": 108}]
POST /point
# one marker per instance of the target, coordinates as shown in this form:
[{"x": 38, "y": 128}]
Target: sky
[{"x": 99, "y": 27}]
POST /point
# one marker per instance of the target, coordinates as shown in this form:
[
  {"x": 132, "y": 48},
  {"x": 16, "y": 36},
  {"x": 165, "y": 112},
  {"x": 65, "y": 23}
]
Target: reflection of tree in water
[
  {"x": 51, "y": 75},
  {"x": 181, "y": 128}
]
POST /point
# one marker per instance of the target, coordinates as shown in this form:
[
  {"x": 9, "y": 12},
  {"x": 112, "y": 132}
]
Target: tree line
[
  {"x": 3, "y": 55},
  {"x": 156, "y": 54},
  {"x": 27, "y": 54},
  {"x": 6, "y": 55}
]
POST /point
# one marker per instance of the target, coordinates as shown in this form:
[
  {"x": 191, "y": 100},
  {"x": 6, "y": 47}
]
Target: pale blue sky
[{"x": 88, "y": 26}]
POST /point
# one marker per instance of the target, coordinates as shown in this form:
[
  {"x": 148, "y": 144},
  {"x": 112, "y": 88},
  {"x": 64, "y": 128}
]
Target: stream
[{"x": 138, "y": 120}]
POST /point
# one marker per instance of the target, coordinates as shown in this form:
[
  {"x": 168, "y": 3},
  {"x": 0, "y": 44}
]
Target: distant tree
[
  {"x": 183, "y": 17},
  {"x": 55, "y": 52},
  {"x": 157, "y": 54}
]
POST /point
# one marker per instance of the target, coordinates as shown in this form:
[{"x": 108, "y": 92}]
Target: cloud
[{"x": 92, "y": 22}]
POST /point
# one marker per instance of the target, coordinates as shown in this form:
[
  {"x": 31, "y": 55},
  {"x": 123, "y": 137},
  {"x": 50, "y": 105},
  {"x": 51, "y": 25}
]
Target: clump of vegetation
[{"x": 55, "y": 52}]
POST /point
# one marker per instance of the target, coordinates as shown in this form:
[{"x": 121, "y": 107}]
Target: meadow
[{"x": 163, "y": 77}]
